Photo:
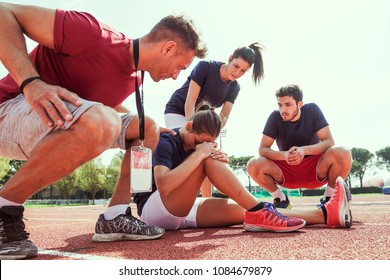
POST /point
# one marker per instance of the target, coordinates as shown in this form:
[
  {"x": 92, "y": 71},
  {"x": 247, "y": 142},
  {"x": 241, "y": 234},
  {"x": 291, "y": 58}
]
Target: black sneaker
[
  {"x": 323, "y": 201},
  {"x": 14, "y": 243},
  {"x": 124, "y": 227},
  {"x": 285, "y": 204}
]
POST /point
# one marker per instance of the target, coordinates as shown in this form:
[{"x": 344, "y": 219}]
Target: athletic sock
[
  {"x": 278, "y": 194},
  {"x": 6, "y": 202},
  {"x": 328, "y": 192},
  {"x": 114, "y": 211},
  {"x": 257, "y": 207},
  {"x": 325, "y": 213}
]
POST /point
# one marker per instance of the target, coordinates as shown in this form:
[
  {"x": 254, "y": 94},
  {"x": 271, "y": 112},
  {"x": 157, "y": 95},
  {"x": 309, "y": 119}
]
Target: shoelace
[
  {"x": 271, "y": 207},
  {"x": 323, "y": 202},
  {"x": 131, "y": 217},
  {"x": 139, "y": 225},
  {"x": 13, "y": 228}
]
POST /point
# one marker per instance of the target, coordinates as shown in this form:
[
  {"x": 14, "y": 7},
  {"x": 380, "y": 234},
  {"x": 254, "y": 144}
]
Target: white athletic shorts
[
  {"x": 174, "y": 120},
  {"x": 155, "y": 213}
]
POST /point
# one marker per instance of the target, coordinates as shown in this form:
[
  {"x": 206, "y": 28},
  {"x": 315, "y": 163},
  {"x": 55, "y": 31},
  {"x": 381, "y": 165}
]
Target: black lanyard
[{"x": 139, "y": 95}]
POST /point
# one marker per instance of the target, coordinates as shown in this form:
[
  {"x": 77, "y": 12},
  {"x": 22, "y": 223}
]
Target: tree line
[
  {"x": 94, "y": 177},
  {"x": 90, "y": 178}
]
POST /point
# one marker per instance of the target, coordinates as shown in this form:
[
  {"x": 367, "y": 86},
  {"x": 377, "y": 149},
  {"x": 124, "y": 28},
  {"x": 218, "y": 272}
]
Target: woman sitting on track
[{"x": 180, "y": 164}]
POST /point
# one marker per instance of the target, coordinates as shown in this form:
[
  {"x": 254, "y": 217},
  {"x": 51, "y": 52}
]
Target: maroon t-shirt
[{"x": 89, "y": 58}]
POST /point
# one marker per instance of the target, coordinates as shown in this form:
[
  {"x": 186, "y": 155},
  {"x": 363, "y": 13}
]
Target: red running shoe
[
  {"x": 269, "y": 219},
  {"x": 338, "y": 212}
]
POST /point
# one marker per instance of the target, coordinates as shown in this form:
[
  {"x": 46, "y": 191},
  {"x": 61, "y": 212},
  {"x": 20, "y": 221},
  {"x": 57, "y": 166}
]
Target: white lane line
[
  {"x": 75, "y": 255},
  {"x": 61, "y": 219}
]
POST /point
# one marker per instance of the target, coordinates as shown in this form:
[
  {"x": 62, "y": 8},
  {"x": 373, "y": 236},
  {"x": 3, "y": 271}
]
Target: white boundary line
[{"x": 75, "y": 256}]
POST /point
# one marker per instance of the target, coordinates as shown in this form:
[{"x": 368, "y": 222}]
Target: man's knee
[
  {"x": 342, "y": 155},
  {"x": 254, "y": 165},
  {"x": 261, "y": 167},
  {"x": 100, "y": 125}
]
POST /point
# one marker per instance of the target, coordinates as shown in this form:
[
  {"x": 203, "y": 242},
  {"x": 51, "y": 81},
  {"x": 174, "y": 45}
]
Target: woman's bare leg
[
  {"x": 206, "y": 188},
  {"x": 219, "y": 212},
  {"x": 224, "y": 179}
]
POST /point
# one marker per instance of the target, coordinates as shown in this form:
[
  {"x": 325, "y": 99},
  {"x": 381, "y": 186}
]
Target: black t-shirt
[
  {"x": 299, "y": 133},
  {"x": 170, "y": 153},
  {"x": 207, "y": 75}
]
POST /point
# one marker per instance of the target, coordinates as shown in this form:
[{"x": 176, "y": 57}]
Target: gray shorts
[{"x": 21, "y": 129}]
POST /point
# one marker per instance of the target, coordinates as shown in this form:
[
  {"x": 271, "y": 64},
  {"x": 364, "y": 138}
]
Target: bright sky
[{"x": 336, "y": 51}]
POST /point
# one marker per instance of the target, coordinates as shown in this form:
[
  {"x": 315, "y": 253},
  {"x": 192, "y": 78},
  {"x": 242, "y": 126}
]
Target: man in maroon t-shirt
[{"x": 59, "y": 104}]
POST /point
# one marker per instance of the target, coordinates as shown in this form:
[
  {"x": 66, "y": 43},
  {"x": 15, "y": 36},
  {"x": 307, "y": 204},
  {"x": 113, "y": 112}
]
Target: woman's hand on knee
[{"x": 219, "y": 155}]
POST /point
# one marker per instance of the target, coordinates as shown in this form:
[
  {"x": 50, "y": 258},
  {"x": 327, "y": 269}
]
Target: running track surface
[{"x": 65, "y": 233}]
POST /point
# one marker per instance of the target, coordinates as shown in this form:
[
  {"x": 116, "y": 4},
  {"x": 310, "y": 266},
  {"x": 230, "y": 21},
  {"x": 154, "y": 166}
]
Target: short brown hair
[
  {"x": 182, "y": 29},
  {"x": 290, "y": 90}
]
